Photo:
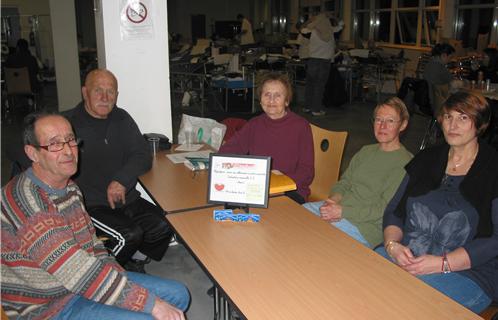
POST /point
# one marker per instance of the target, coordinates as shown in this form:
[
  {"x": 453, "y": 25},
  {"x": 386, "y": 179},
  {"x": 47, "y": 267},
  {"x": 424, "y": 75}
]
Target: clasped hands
[
  {"x": 331, "y": 210},
  {"x": 424, "y": 264}
]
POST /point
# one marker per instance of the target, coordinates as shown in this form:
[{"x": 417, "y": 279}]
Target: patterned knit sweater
[{"x": 50, "y": 253}]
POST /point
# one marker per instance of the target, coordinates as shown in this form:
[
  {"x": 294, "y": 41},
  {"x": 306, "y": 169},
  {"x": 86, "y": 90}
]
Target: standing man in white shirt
[
  {"x": 321, "y": 53},
  {"x": 246, "y": 36}
]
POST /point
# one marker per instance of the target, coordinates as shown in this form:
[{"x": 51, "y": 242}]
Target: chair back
[
  {"x": 439, "y": 95},
  {"x": 4, "y": 315},
  {"x": 17, "y": 81},
  {"x": 329, "y": 147},
  {"x": 233, "y": 125},
  {"x": 491, "y": 312},
  {"x": 423, "y": 59}
]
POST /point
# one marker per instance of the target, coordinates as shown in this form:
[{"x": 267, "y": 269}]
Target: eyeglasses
[
  {"x": 59, "y": 145},
  {"x": 389, "y": 121},
  {"x": 461, "y": 119}
]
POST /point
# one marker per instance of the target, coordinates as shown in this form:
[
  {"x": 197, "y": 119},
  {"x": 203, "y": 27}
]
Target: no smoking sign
[
  {"x": 136, "y": 21},
  {"x": 136, "y": 13}
]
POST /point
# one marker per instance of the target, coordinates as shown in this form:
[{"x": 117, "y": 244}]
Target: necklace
[{"x": 456, "y": 165}]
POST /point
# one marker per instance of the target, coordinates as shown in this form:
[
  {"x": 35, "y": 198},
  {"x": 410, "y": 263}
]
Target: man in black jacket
[{"x": 112, "y": 156}]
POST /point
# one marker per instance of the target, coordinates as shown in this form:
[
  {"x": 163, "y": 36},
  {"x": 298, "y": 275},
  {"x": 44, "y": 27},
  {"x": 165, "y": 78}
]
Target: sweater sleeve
[
  {"x": 481, "y": 250},
  {"x": 386, "y": 190},
  {"x": 389, "y": 217},
  {"x": 62, "y": 246},
  {"x": 240, "y": 141},
  {"x": 305, "y": 167},
  {"x": 101, "y": 252},
  {"x": 137, "y": 159},
  {"x": 81, "y": 272},
  {"x": 344, "y": 184}
]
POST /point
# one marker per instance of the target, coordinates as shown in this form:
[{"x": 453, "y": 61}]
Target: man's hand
[
  {"x": 116, "y": 193},
  {"x": 163, "y": 310},
  {"x": 331, "y": 211}
]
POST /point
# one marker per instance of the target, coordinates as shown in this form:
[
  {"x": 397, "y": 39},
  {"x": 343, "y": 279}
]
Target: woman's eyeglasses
[{"x": 388, "y": 121}]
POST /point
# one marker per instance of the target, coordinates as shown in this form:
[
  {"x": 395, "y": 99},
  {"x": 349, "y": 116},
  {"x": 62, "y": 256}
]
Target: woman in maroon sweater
[{"x": 280, "y": 134}]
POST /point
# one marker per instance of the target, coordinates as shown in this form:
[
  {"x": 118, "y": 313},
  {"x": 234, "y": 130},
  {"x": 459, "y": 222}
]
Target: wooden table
[
  {"x": 293, "y": 265},
  {"x": 175, "y": 188}
]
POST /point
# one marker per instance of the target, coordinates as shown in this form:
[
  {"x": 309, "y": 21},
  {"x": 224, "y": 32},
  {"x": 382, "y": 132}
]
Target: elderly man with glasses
[{"x": 53, "y": 265}]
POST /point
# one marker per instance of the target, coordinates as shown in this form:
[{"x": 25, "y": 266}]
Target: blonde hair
[{"x": 398, "y": 105}]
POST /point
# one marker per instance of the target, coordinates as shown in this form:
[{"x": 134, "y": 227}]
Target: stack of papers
[
  {"x": 189, "y": 147},
  {"x": 181, "y": 157}
]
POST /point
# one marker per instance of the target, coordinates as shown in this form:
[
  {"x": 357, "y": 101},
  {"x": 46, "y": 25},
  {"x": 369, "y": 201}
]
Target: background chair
[
  {"x": 434, "y": 135},
  {"x": 233, "y": 125},
  {"x": 491, "y": 313},
  {"x": 18, "y": 84},
  {"x": 329, "y": 147},
  {"x": 4, "y": 315},
  {"x": 423, "y": 59}
]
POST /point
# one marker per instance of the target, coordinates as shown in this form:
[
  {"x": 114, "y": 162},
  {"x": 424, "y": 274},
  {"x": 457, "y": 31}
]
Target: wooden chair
[
  {"x": 4, "y": 315},
  {"x": 490, "y": 312},
  {"x": 329, "y": 147}
]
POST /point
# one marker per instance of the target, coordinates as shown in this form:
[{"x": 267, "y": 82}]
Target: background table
[
  {"x": 175, "y": 188},
  {"x": 293, "y": 265},
  {"x": 491, "y": 94}
]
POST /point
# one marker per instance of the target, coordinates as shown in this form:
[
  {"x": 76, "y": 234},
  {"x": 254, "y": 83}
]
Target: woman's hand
[
  {"x": 425, "y": 264},
  {"x": 331, "y": 211},
  {"x": 402, "y": 255}
]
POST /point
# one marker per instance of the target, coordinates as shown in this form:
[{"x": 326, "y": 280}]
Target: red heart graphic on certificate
[{"x": 219, "y": 186}]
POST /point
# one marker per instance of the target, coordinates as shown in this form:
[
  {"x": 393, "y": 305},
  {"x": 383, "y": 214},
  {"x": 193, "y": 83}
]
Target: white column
[
  {"x": 67, "y": 69},
  {"x": 140, "y": 63}
]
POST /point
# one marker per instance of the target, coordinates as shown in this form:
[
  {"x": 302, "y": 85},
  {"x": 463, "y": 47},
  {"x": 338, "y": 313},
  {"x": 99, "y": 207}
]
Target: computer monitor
[
  {"x": 226, "y": 29},
  {"x": 239, "y": 180}
]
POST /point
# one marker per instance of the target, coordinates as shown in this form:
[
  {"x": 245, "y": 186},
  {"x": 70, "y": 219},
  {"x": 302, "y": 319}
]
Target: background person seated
[
  {"x": 53, "y": 265},
  {"x": 23, "y": 58},
  {"x": 357, "y": 201},
  {"x": 438, "y": 77},
  {"x": 489, "y": 66},
  {"x": 442, "y": 223},
  {"x": 280, "y": 134}
]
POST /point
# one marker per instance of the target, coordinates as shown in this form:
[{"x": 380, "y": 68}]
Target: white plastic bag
[{"x": 205, "y": 130}]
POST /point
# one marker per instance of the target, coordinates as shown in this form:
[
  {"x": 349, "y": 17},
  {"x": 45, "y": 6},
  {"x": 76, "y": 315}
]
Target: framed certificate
[{"x": 239, "y": 180}]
